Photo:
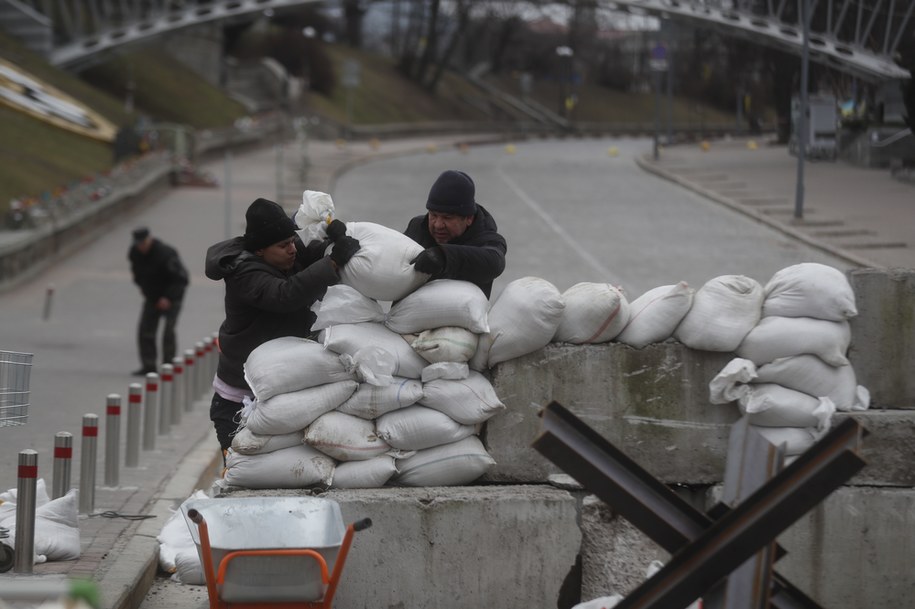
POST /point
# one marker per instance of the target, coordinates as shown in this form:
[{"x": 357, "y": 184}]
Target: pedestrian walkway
[{"x": 860, "y": 214}]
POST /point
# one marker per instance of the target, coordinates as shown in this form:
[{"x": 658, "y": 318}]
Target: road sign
[{"x": 658, "y": 59}]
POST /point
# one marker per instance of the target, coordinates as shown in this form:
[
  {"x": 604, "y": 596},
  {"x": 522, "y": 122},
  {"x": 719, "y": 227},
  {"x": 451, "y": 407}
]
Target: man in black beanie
[
  {"x": 461, "y": 238},
  {"x": 272, "y": 279},
  {"x": 158, "y": 272}
]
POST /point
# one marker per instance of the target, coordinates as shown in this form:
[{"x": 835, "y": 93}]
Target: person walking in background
[
  {"x": 461, "y": 238},
  {"x": 162, "y": 279},
  {"x": 272, "y": 279}
]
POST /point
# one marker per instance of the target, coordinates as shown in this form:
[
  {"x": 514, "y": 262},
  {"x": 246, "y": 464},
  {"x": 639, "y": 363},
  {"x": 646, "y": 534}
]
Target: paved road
[{"x": 571, "y": 212}]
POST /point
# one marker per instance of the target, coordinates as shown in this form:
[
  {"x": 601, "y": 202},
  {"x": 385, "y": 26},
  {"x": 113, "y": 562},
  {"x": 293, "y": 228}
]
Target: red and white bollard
[
  {"x": 134, "y": 415},
  {"x": 166, "y": 377},
  {"x": 24, "y": 550},
  {"x": 88, "y": 454},
  {"x": 200, "y": 369},
  {"x": 63, "y": 458},
  {"x": 150, "y": 409},
  {"x": 189, "y": 371},
  {"x": 178, "y": 390},
  {"x": 112, "y": 439}
]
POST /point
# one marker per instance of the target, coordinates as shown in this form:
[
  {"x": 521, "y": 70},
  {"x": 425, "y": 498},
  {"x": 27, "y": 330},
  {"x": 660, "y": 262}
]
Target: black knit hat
[
  {"x": 453, "y": 193},
  {"x": 267, "y": 223},
  {"x": 140, "y": 234}
]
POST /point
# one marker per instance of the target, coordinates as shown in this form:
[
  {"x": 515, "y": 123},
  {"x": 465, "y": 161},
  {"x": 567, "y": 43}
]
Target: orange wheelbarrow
[{"x": 271, "y": 552}]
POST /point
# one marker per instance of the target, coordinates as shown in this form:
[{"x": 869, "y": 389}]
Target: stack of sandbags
[
  {"x": 381, "y": 398},
  {"x": 792, "y": 372}
]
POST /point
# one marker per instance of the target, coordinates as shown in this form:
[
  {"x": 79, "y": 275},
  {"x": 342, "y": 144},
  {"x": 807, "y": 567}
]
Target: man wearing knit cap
[
  {"x": 272, "y": 279},
  {"x": 461, "y": 238}
]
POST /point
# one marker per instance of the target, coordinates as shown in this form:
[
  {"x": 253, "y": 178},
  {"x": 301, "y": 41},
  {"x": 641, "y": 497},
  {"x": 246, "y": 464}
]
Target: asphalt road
[{"x": 571, "y": 211}]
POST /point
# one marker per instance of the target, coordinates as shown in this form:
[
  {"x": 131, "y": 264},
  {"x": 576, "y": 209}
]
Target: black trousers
[
  {"x": 148, "y": 328},
  {"x": 224, "y": 414}
]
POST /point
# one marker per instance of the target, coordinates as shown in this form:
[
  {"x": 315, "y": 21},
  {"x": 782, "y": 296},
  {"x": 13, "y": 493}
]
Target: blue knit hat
[{"x": 453, "y": 193}]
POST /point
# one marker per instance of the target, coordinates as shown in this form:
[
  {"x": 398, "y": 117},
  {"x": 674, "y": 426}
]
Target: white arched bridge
[{"x": 859, "y": 37}]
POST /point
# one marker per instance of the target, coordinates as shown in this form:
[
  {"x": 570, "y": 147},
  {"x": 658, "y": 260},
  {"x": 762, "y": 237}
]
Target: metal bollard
[
  {"x": 24, "y": 552},
  {"x": 112, "y": 439},
  {"x": 63, "y": 458},
  {"x": 165, "y": 398},
  {"x": 150, "y": 408},
  {"x": 134, "y": 414},
  {"x": 188, "y": 379},
  {"x": 210, "y": 351},
  {"x": 87, "y": 464},
  {"x": 200, "y": 369},
  {"x": 178, "y": 390}
]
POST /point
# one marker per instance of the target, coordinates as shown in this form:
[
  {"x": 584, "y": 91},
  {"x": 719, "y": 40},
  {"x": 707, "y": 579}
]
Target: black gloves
[
  {"x": 335, "y": 230},
  {"x": 344, "y": 249},
  {"x": 430, "y": 260}
]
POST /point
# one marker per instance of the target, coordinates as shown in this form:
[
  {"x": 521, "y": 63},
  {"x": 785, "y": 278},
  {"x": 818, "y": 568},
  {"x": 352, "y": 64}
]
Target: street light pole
[{"x": 802, "y": 115}]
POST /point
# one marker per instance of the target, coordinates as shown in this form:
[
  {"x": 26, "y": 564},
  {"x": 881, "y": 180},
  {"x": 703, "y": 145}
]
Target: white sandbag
[
  {"x": 381, "y": 268},
  {"x": 523, "y": 319},
  {"x": 445, "y": 344},
  {"x": 246, "y": 442},
  {"x": 811, "y": 375},
  {"x": 775, "y": 337},
  {"x": 287, "y": 364},
  {"x": 56, "y": 530},
  {"x": 601, "y": 602},
  {"x": 468, "y": 401},
  {"x": 730, "y": 384},
  {"x": 371, "y": 473},
  {"x": 594, "y": 313},
  {"x": 313, "y": 215},
  {"x": 345, "y": 437},
  {"x": 343, "y": 304},
  {"x": 189, "y": 568},
  {"x": 443, "y": 302},
  {"x": 810, "y": 289},
  {"x": 771, "y": 405},
  {"x": 451, "y": 371},
  {"x": 453, "y": 464},
  {"x": 655, "y": 315},
  {"x": 418, "y": 427},
  {"x": 10, "y": 495},
  {"x": 374, "y": 365},
  {"x": 795, "y": 439},
  {"x": 294, "y": 411},
  {"x": 371, "y": 401},
  {"x": 176, "y": 537},
  {"x": 295, "y": 467},
  {"x": 723, "y": 312},
  {"x": 350, "y": 338}
]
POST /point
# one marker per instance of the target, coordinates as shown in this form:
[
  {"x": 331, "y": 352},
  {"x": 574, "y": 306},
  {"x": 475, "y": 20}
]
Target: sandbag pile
[
  {"x": 382, "y": 397},
  {"x": 56, "y": 523},
  {"x": 792, "y": 374}
]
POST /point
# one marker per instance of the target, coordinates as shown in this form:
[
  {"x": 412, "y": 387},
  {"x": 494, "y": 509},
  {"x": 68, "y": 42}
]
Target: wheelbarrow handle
[
  {"x": 361, "y": 525},
  {"x": 195, "y": 516}
]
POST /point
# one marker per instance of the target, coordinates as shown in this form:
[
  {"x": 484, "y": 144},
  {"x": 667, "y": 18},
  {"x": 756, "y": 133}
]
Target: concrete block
[
  {"x": 889, "y": 448},
  {"x": 883, "y": 335},
  {"x": 510, "y": 547},
  {"x": 651, "y": 403},
  {"x": 854, "y": 550}
]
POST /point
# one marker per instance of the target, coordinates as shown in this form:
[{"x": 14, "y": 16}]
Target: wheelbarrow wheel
[{"x": 6, "y": 558}]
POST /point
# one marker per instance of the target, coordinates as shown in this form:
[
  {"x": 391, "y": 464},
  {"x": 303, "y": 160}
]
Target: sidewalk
[{"x": 862, "y": 215}]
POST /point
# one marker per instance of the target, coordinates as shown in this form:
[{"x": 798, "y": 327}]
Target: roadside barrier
[
  {"x": 88, "y": 453},
  {"x": 153, "y": 407},
  {"x": 150, "y": 411},
  {"x": 63, "y": 457},
  {"x": 24, "y": 550},
  {"x": 112, "y": 439}
]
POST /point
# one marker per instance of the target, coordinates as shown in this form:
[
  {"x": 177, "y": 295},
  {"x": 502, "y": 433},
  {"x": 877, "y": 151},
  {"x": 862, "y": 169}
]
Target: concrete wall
[{"x": 529, "y": 537}]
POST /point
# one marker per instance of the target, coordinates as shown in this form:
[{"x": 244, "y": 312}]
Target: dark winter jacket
[
  {"x": 477, "y": 256},
  {"x": 159, "y": 272},
  {"x": 263, "y": 302}
]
